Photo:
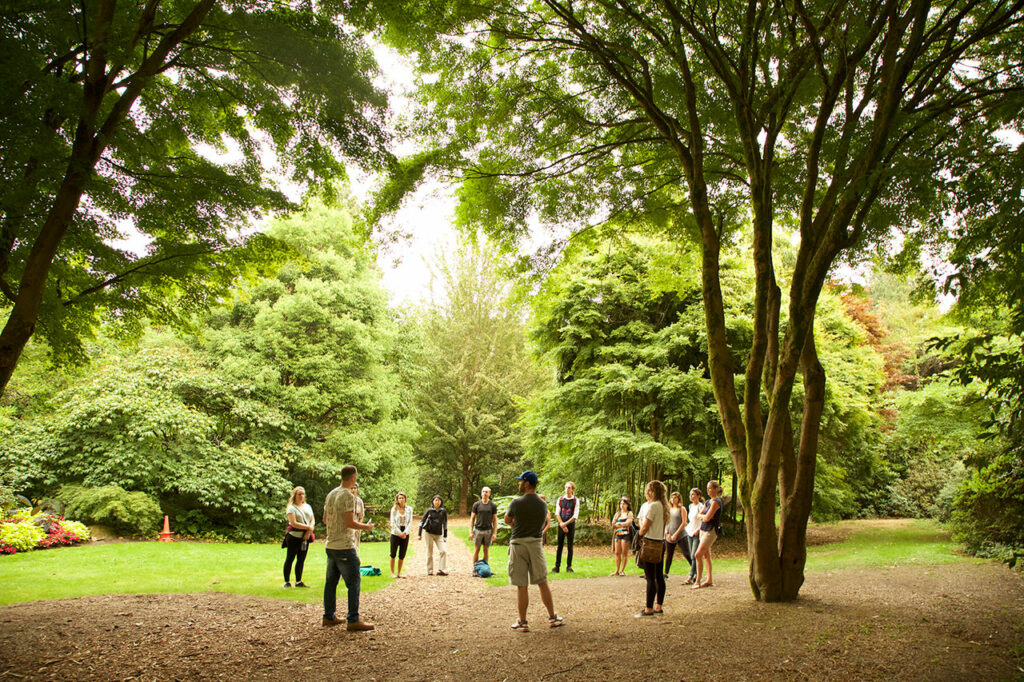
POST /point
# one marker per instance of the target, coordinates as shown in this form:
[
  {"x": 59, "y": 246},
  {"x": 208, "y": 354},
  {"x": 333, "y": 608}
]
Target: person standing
[
  {"x": 710, "y": 522},
  {"x": 342, "y": 559},
  {"x": 435, "y": 522},
  {"x": 653, "y": 520},
  {"x": 401, "y": 525},
  {"x": 673, "y": 534},
  {"x": 526, "y": 563},
  {"x": 692, "y": 531},
  {"x": 484, "y": 522},
  {"x": 568, "y": 509},
  {"x": 300, "y": 519},
  {"x": 622, "y": 524}
]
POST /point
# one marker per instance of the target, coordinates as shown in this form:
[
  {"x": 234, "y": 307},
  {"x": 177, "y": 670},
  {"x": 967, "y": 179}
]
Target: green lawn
[
  {"x": 153, "y": 567},
  {"x": 917, "y": 542}
]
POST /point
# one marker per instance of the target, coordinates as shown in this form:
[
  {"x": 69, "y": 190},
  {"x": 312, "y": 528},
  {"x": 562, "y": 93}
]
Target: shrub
[
  {"x": 134, "y": 513},
  {"x": 21, "y": 534}
]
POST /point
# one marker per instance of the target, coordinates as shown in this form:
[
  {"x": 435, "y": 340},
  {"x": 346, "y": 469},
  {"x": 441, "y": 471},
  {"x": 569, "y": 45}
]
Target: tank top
[
  {"x": 712, "y": 524},
  {"x": 566, "y": 507},
  {"x": 622, "y": 532}
]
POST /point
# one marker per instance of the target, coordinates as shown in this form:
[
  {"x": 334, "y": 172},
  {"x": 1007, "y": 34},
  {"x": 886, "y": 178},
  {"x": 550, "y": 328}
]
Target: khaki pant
[{"x": 442, "y": 553}]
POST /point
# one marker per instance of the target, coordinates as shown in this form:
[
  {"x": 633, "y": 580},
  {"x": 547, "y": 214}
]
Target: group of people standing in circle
[
  {"x": 662, "y": 523},
  {"x": 666, "y": 522}
]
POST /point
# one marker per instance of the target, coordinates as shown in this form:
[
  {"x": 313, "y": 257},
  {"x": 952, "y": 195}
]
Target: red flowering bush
[{"x": 25, "y": 531}]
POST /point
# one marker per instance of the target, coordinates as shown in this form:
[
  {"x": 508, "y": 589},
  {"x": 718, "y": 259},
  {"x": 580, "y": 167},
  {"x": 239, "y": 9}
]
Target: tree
[
  {"x": 621, "y": 323},
  {"x": 289, "y": 382},
  {"x": 474, "y": 369},
  {"x": 317, "y": 342},
  {"x": 108, "y": 106},
  {"x": 845, "y": 119}
]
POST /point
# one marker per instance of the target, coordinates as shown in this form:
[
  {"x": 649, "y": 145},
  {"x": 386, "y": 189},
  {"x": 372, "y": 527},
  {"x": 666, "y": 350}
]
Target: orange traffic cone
[{"x": 166, "y": 535}]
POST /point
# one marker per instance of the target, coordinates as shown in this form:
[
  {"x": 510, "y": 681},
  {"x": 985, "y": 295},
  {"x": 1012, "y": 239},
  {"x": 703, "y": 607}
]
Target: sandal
[
  {"x": 707, "y": 584},
  {"x": 556, "y": 621},
  {"x": 521, "y": 626}
]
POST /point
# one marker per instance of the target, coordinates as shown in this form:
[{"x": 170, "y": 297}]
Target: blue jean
[
  {"x": 694, "y": 542},
  {"x": 342, "y": 564}
]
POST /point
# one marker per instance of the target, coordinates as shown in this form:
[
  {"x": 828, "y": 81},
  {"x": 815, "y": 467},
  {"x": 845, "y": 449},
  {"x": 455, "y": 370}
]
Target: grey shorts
[
  {"x": 526, "y": 562},
  {"x": 482, "y": 537}
]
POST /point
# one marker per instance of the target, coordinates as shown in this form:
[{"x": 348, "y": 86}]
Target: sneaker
[
  {"x": 441, "y": 573},
  {"x": 287, "y": 584},
  {"x": 569, "y": 570},
  {"x": 521, "y": 626},
  {"x": 556, "y": 621},
  {"x": 359, "y": 626},
  {"x": 475, "y": 574},
  {"x": 644, "y": 614},
  {"x": 331, "y": 622},
  {"x": 301, "y": 584},
  {"x": 555, "y": 570}
]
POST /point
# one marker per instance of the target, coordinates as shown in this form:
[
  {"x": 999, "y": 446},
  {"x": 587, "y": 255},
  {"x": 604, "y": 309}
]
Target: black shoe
[
  {"x": 301, "y": 584},
  {"x": 569, "y": 570},
  {"x": 556, "y": 570}
]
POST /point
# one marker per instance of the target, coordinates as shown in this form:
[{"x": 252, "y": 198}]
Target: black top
[
  {"x": 528, "y": 515},
  {"x": 485, "y": 512},
  {"x": 434, "y": 521},
  {"x": 713, "y": 524}
]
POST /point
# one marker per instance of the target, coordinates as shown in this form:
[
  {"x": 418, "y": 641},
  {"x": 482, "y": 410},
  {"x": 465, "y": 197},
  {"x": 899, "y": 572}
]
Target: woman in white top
[
  {"x": 401, "y": 523},
  {"x": 653, "y": 518},
  {"x": 692, "y": 531},
  {"x": 300, "y": 518}
]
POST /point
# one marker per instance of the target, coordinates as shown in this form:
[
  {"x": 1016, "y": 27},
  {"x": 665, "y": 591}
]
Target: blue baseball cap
[{"x": 528, "y": 476}]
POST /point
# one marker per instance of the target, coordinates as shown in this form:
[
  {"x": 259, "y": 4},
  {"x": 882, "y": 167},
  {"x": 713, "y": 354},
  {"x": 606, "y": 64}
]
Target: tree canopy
[
  {"x": 134, "y": 136},
  {"x": 843, "y": 119}
]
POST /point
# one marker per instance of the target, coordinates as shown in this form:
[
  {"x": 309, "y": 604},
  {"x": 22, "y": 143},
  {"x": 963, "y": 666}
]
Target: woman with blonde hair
[
  {"x": 653, "y": 517},
  {"x": 622, "y": 524},
  {"x": 710, "y": 522},
  {"x": 300, "y": 522},
  {"x": 401, "y": 524}
]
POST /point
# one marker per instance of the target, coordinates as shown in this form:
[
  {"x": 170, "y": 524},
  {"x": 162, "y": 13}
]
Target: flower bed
[{"x": 24, "y": 531}]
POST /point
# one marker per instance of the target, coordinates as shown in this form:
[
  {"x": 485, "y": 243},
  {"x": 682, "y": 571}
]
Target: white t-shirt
[
  {"x": 303, "y": 514},
  {"x": 692, "y": 523},
  {"x": 655, "y": 511}
]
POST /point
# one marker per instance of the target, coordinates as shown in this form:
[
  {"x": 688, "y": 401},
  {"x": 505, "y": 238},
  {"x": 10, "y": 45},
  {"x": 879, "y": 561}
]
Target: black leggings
[
  {"x": 564, "y": 535},
  {"x": 399, "y": 546},
  {"x": 297, "y": 548},
  {"x": 655, "y": 583},
  {"x": 670, "y": 552}
]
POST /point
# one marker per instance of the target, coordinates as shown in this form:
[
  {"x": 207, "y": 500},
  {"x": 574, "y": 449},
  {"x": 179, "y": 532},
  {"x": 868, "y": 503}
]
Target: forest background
[{"x": 205, "y": 384}]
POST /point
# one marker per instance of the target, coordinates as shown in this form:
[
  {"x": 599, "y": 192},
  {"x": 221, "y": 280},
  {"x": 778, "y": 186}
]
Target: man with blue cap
[{"x": 526, "y": 563}]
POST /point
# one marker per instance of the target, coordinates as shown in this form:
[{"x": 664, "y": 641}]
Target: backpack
[{"x": 483, "y": 569}]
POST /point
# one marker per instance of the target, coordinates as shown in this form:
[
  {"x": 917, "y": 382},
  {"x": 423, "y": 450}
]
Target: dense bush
[
  {"x": 989, "y": 511},
  {"x": 132, "y": 513}
]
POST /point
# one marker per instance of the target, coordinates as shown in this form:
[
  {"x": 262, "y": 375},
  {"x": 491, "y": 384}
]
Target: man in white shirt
[{"x": 343, "y": 528}]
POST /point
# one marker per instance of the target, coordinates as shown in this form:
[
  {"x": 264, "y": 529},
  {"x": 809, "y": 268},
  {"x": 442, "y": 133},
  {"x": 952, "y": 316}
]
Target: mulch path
[{"x": 961, "y": 621}]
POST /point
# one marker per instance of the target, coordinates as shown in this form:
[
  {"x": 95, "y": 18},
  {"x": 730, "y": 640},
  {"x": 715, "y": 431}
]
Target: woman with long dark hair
[{"x": 622, "y": 524}]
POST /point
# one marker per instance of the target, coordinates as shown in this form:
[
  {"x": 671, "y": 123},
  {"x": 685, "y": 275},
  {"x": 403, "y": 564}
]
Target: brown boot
[
  {"x": 331, "y": 622},
  {"x": 359, "y": 626}
]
